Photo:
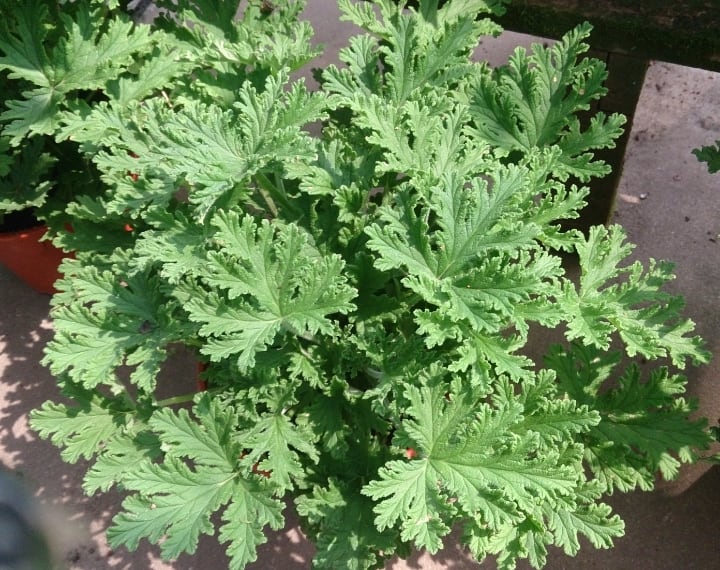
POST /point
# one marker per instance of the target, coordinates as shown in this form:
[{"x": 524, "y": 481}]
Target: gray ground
[{"x": 671, "y": 209}]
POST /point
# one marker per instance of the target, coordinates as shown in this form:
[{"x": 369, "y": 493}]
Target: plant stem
[
  {"x": 264, "y": 187},
  {"x": 273, "y": 194},
  {"x": 183, "y": 399}
]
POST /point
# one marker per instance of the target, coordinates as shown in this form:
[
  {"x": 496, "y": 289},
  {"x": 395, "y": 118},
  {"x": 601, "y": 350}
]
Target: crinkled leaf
[
  {"x": 342, "y": 522},
  {"x": 276, "y": 283},
  {"x": 82, "y": 429},
  {"x": 531, "y": 102},
  {"x": 174, "y": 500},
  {"x": 628, "y": 299},
  {"x": 115, "y": 321},
  {"x": 467, "y": 453}
]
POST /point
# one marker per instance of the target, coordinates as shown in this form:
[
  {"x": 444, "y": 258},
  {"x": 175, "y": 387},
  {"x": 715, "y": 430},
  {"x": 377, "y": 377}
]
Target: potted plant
[
  {"x": 82, "y": 56},
  {"x": 54, "y": 59},
  {"x": 21, "y": 184},
  {"x": 363, "y": 300}
]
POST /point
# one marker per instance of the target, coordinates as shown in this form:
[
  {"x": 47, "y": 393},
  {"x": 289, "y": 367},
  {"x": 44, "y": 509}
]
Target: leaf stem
[
  {"x": 183, "y": 399},
  {"x": 265, "y": 188},
  {"x": 275, "y": 193}
]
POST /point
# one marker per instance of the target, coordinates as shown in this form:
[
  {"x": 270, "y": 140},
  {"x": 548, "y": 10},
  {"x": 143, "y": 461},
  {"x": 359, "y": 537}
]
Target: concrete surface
[{"x": 671, "y": 209}]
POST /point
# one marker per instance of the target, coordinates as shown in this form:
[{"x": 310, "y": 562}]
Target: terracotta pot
[
  {"x": 202, "y": 384},
  {"x": 34, "y": 261}
]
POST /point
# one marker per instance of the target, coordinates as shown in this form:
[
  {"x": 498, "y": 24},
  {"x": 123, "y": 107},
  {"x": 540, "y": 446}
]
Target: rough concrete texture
[{"x": 670, "y": 207}]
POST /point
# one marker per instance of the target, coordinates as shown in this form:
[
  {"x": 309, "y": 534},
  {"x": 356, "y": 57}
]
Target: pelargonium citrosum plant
[
  {"x": 62, "y": 60},
  {"x": 363, "y": 300}
]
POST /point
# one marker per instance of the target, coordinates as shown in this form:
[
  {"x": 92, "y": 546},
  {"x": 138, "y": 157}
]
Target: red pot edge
[{"x": 43, "y": 272}]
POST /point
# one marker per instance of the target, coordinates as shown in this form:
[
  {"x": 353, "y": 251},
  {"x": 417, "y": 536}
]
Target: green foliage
[
  {"x": 276, "y": 283},
  {"x": 533, "y": 100},
  {"x": 88, "y": 52},
  {"x": 53, "y": 58},
  {"x": 62, "y": 64},
  {"x": 643, "y": 421},
  {"x": 711, "y": 155},
  {"x": 23, "y": 175},
  {"x": 175, "y": 500},
  {"x": 360, "y": 270},
  {"x": 600, "y": 307}
]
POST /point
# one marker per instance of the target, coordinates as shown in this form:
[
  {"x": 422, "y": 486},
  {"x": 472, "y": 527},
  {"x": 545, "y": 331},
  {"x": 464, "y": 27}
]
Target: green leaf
[
  {"x": 405, "y": 495},
  {"x": 645, "y": 425},
  {"x": 627, "y": 299},
  {"x": 471, "y": 225},
  {"x": 276, "y": 283},
  {"x": 164, "y": 66},
  {"x": 118, "y": 458},
  {"x": 117, "y": 319},
  {"x": 588, "y": 518},
  {"x": 342, "y": 521},
  {"x": 213, "y": 151},
  {"x": 460, "y": 264},
  {"x": 485, "y": 351},
  {"x": 601, "y": 133},
  {"x": 181, "y": 503},
  {"x": 174, "y": 500},
  {"x": 244, "y": 520},
  {"x": 709, "y": 154},
  {"x": 649, "y": 419},
  {"x": 531, "y": 103},
  {"x": 272, "y": 442},
  {"x": 82, "y": 429},
  {"x": 179, "y": 246},
  {"x": 24, "y": 174},
  {"x": 469, "y": 456},
  {"x": 553, "y": 418}
]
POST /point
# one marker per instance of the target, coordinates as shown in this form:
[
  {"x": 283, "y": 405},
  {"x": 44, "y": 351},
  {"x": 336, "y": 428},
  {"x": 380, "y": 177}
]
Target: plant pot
[
  {"x": 201, "y": 383},
  {"x": 35, "y": 262}
]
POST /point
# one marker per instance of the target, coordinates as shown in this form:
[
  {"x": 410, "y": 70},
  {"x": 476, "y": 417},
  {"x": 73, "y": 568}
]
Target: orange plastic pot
[{"x": 35, "y": 262}]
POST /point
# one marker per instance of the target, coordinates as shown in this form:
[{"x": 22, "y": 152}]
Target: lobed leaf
[
  {"x": 174, "y": 500},
  {"x": 276, "y": 283}
]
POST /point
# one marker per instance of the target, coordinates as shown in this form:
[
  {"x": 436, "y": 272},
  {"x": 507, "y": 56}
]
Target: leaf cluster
[
  {"x": 53, "y": 58},
  {"x": 711, "y": 155}
]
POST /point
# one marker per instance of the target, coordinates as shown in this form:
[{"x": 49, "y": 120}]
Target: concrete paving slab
[{"x": 670, "y": 206}]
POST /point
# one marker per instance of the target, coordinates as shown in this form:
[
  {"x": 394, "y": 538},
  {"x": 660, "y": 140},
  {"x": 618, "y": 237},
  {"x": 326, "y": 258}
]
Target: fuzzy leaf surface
[
  {"x": 175, "y": 500},
  {"x": 647, "y": 318},
  {"x": 276, "y": 284},
  {"x": 92, "y": 51},
  {"x": 467, "y": 452}
]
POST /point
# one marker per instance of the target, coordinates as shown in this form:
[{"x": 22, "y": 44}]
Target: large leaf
[
  {"x": 468, "y": 458},
  {"x": 531, "y": 103},
  {"x": 174, "y": 501},
  {"x": 277, "y": 284},
  {"x": 613, "y": 296}
]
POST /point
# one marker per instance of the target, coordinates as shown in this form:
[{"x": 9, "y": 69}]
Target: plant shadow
[{"x": 76, "y": 523}]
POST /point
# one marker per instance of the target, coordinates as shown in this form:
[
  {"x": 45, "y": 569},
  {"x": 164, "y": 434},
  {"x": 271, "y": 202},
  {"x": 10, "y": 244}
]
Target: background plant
[
  {"x": 364, "y": 298},
  {"x": 63, "y": 59},
  {"x": 56, "y": 58},
  {"x": 709, "y": 154}
]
